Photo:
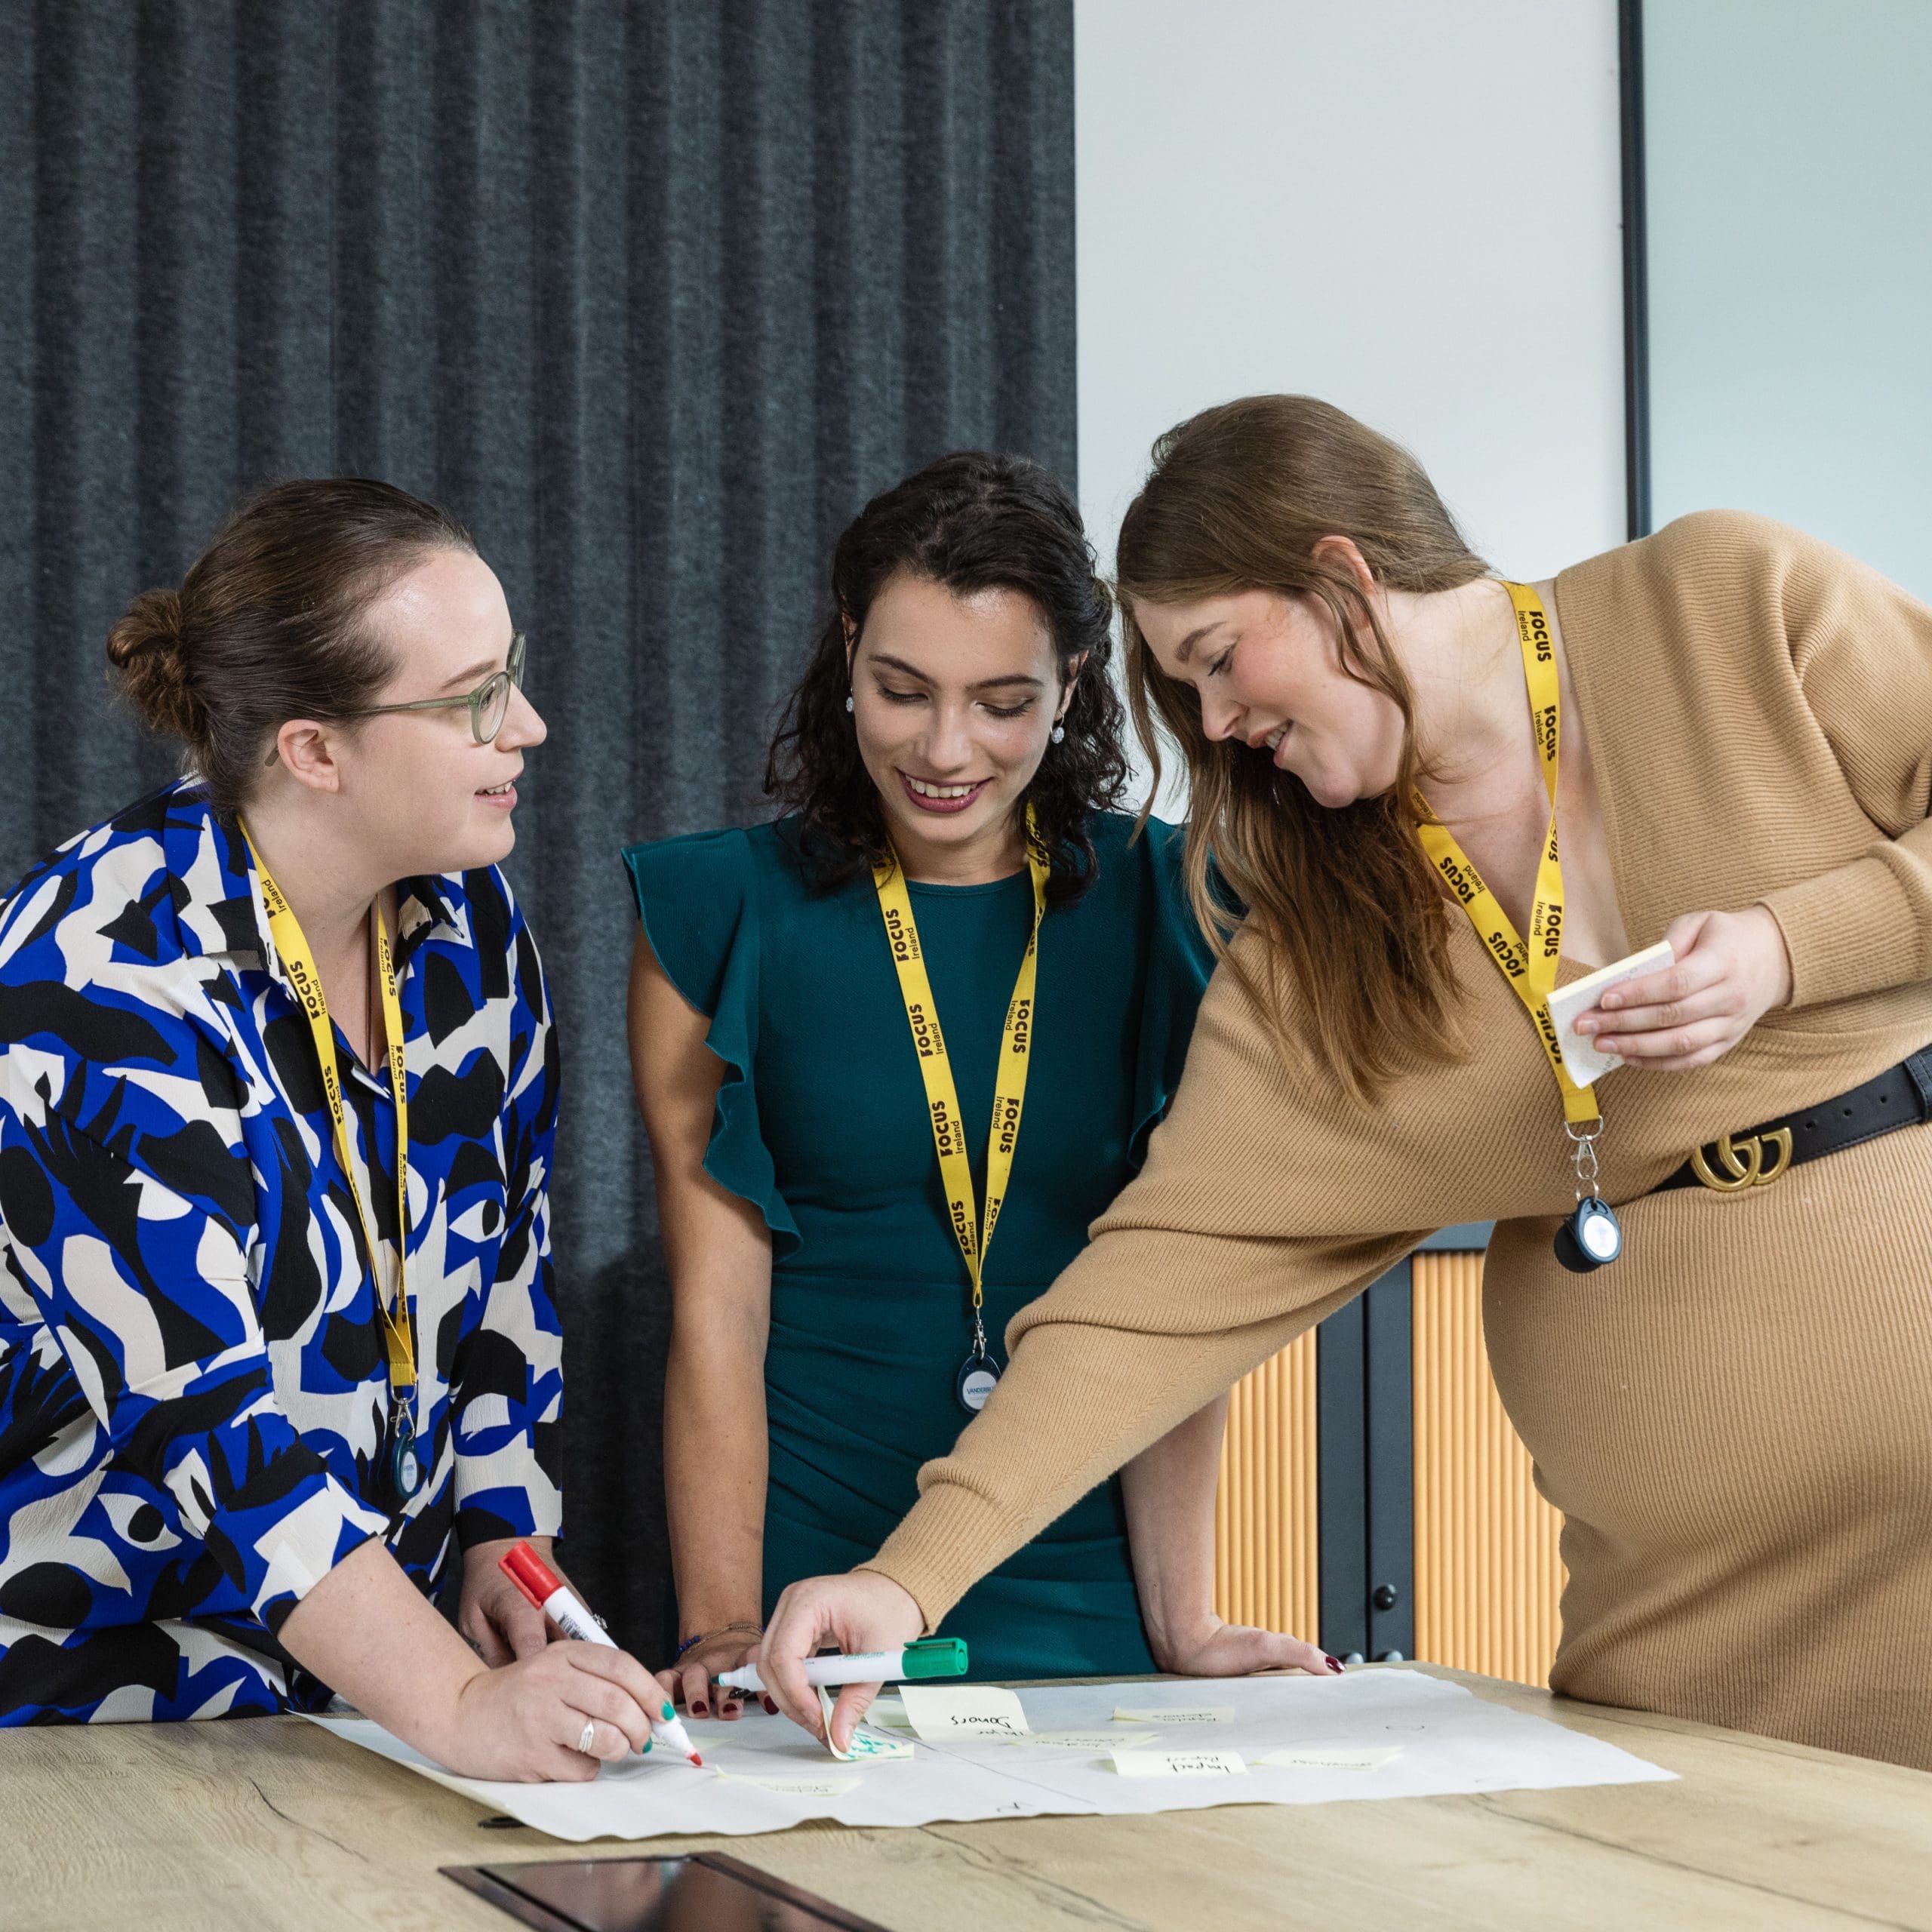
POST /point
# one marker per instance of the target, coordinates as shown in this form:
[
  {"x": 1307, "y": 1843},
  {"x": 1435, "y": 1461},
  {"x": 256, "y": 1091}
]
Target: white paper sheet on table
[{"x": 1446, "y": 1741}]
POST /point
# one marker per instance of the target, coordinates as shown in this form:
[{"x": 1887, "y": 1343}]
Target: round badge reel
[
  {"x": 978, "y": 1376},
  {"x": 406, "y": 1472},
  {"x": 1591, "y": 1237}
]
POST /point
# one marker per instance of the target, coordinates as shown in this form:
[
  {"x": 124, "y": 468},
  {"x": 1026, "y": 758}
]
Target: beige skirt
[{"x": 1736, "y": 1420}]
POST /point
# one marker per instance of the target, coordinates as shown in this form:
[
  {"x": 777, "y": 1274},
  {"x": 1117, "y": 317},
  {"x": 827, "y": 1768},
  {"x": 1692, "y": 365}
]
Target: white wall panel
[
  {"x": 1409, "y": 207},
  {"x": 1790, "y": 169}
]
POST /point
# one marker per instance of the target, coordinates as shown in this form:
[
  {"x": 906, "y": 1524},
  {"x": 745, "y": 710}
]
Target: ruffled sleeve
[
  {"x": 698, "y": 899},
  {"x": 1179, "y": 962}
]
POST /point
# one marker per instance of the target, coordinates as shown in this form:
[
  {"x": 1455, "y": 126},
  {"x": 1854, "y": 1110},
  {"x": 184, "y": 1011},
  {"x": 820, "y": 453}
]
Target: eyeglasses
[{"x": 489, "y": 703}]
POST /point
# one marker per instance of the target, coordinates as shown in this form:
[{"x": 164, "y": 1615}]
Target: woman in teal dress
[{"x": 823, "y": 1317}]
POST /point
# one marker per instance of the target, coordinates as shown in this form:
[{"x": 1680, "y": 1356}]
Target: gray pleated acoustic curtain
[{"x": 653, "y": 296}]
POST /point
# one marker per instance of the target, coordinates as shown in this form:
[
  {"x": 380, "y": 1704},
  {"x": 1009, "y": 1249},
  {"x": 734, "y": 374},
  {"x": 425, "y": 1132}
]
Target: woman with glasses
[
  {"x": 278, "y": 1096},
  {"x": 895, "y": 1051}
]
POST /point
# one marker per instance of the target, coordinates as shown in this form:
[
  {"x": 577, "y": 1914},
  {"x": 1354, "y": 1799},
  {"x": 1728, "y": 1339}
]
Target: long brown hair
[{"x": 1354, "y": 922}]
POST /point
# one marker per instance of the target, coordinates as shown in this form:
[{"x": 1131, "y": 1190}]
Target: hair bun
[{"x": 149, "y": 647}]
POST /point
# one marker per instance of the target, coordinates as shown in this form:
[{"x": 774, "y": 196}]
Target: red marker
[{"x": 567, "y": 1610}]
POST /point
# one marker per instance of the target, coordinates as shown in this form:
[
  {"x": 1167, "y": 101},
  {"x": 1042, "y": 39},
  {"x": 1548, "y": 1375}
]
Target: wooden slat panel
[
  {"x": 1488, "y": 1577},
  {"x": 1265, "y": 1542}
]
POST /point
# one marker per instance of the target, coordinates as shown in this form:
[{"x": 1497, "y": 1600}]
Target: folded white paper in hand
[{"x": 1582, "y": 1060}]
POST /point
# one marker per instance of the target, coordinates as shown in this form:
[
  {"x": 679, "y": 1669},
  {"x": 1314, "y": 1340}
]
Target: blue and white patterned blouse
[{"x": 192, "y": 1382}]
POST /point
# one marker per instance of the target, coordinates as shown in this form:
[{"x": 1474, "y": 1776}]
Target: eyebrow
[
  {"x": 985, "y": 684},
  {"x": 1193, "y": 637},
  {"x": 470, "y": 676}
]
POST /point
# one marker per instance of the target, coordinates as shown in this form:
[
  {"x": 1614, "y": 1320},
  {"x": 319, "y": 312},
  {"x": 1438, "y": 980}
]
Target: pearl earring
[
  {"x": 849, "y": 705},
  {"x": 1059, "y": 734}
]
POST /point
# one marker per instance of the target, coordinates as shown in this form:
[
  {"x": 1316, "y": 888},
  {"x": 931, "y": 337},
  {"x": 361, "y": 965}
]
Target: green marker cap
[{"x": 934, "y": 1656}]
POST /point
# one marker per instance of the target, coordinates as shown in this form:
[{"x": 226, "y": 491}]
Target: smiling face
[
  {"x": 953, "y": 699},
  {"x": 425, "y": 793},
  {"x": 1268, "y": 671}
]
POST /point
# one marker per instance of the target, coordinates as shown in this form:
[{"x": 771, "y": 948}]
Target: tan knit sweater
[{"x": 1737, "y": 1417}]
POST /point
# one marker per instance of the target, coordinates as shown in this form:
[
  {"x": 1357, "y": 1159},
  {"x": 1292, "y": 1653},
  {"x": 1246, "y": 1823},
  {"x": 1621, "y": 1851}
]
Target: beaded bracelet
[{"x": 691, "y": 1643}]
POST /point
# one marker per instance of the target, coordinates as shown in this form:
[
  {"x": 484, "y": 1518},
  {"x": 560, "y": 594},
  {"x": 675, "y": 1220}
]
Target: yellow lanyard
[
  {"x": 299, "y": 964},
  {"x": 1531, "y": 969},
  {"x": 901, "y": 931}
]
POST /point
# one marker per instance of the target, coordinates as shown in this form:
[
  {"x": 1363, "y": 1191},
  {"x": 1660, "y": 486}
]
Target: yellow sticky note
[
  {"x": 1180, "y": 1764},
  {"x": 1202, "y": 1714},
  {"x": 1102, "y": 1741},
  {"x": 795, "y": 1787},
  {"x": 1327, "y": 1758},
  {"x": 871, "y": 1745},
  {"x": 936, "y": 1712}
]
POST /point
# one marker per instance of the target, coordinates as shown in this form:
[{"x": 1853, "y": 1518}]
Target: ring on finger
[{"x": 584, "y": 1743}]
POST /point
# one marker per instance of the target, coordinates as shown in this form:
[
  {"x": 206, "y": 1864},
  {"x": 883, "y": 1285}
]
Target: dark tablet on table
[{"x": 708, "y": 1893}]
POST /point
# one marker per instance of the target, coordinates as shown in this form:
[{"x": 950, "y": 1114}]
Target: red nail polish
[
  {"x": 1335, "y": 1663},
  {"x": 698, "y": 1710}
]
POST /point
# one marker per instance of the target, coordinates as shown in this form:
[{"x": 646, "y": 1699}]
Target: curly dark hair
[{"x": 969, "y": 522}]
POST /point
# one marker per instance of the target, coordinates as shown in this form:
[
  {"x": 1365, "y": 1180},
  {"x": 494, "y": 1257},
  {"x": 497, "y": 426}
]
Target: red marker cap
[{"x": 530, "y": 1574}]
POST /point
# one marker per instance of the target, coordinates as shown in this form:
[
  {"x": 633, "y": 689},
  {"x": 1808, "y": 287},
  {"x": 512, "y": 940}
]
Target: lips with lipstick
[{"x": 930, "y": 796}]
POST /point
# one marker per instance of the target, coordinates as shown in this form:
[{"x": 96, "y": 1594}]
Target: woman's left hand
[
  {"x": 1732, "y": 968},
  {"x": 497, "y": 1621},
  {"x": 1215, "y": 1649}
]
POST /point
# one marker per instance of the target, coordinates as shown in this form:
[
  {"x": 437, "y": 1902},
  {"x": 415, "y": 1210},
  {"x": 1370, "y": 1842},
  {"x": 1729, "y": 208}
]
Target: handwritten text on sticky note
[
  {"x": 1221, "y": 1714},
  {"x": 866, "y": 1741},
  {"x": 943, "y": 1711},
  {"x": 1102, "y": 1741},
  {"x": 1180, "y": 1764},
  {"x": 795, "y": 1787},
  {"x": 1327, "y": 1758}
]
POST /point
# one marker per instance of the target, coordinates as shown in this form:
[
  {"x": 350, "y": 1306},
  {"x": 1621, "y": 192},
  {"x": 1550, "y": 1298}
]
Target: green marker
[{"x": 932, "y": 1656}]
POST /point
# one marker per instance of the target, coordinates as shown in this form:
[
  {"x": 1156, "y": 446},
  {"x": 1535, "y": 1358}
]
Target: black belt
[{"x": 1900, "y": 1096}]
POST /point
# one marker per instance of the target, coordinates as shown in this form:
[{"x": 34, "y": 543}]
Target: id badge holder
[
  {"x": 403, "y": 1462},
  {"x": 1591, "y": 1237},
  {"x": 978, "y": 1373}
]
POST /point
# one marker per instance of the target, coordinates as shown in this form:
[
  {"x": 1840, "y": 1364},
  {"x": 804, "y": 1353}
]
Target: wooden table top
[{"x": 271, "y": 1823}]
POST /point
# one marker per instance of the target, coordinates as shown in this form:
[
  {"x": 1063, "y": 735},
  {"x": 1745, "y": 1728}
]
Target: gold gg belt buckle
[{"x": 1744, "y": 1163}]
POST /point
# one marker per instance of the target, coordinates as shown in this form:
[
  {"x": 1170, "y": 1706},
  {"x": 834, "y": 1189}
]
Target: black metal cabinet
[{"x": 1365, "y": 1398}]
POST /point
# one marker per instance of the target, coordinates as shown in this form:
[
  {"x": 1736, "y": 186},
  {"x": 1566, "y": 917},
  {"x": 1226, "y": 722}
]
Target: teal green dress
[{"x": 821, "y": 1124}]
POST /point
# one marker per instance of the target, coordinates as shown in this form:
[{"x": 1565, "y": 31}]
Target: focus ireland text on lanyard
[
  {"x": 1591, "y": 1236},
  {"x": 977, "y": 1374},
  {"x": 403, "y": 1462}
]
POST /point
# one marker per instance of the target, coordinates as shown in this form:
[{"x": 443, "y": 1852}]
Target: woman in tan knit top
[{"x": 1736, "y": 1416}]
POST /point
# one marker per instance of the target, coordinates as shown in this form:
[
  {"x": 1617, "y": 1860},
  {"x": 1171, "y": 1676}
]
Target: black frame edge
[
  {"x": 484, "y": 1882},
  {"x": 494, "y": 1883},
  {"x": 1388, "y": 1411},
  {"x": 1341, "y": 1466},
  {"x": 1636, "y": 271}
]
